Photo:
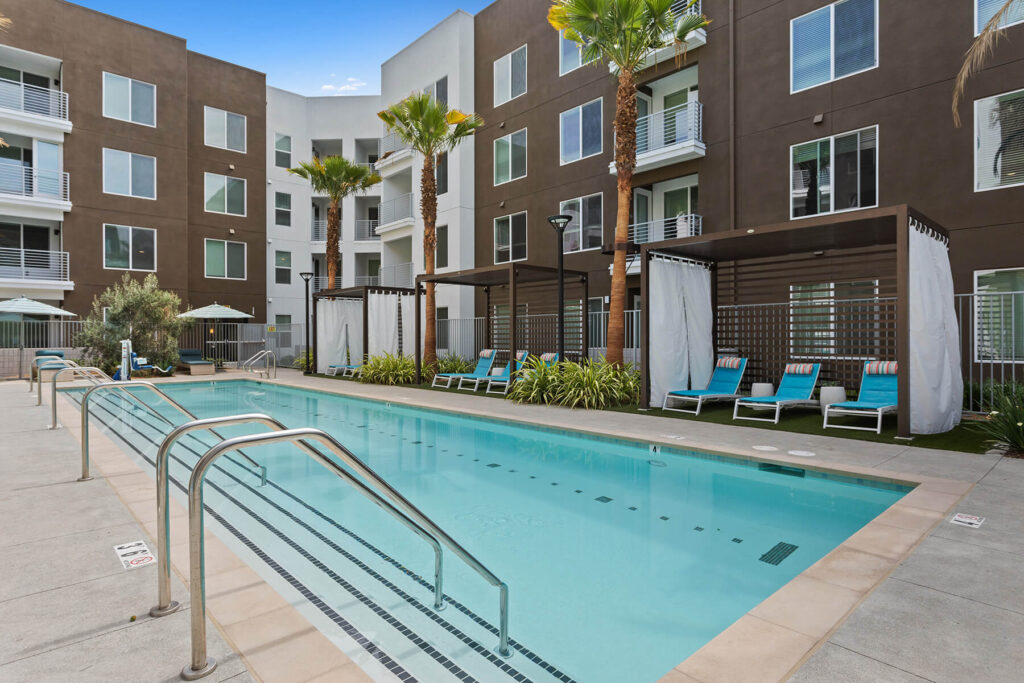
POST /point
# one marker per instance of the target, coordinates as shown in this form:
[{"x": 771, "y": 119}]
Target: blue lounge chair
[
  {"x": 795, "y": 389},
  {"x": 723, "y": 386},
  {"x": 193, "y": 361},
  {"x": 878, "y": 396},
  {"x": 499, "y": 384},
  {"x": 483, "y": 369}
]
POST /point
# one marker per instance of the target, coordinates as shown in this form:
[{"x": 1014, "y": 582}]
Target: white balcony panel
[
  {"x": 35, "y": 269},
  {"x": 318, "y": 232},
  {"x": 396, "y": 275},
  {"x": 394, "y": 156},
  {"x": 669, "y": 137},
  {"x": 367, "y": 280},
  {"x": 33, "y": 111},
  {"x": 666, "y": 229},
  {"x": 366, "y": 230},
  {"x": 396, "y": 217},
  {"x": 30, "y": 193}
]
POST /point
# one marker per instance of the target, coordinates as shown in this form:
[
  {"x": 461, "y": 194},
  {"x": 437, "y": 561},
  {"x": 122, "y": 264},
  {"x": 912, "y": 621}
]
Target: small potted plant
[{"x": 831, "y": 392}]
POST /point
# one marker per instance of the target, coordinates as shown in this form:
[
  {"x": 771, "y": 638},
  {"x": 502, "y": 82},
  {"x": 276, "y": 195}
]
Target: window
[
  {"x": 837, "y": 173},
  {"x": 225, "y": 194},
  {"x": 441, "y": 173},
  {"x": 224, "y": 129},
  {"x": 570, "y": 55},
  {"x": 282, "y": 150},
  {"x": 282, "y": 209},
  {"x": 984, "y": 10},
  {"x": 129, "y": 100},
  {"x": 439, "y": 89},
  {"x": 441, "y": 248},
  {"x": 283, "y": 267},
  {"x": 835, "y": 319},
  {"x": 510, "y": 76},
  {"x": 283, "y": 323},
  {"x": 225, "y": 260},
  {"x": 833, "y": 42},
  {"x": 510, "y": 238},
  {"x": 128, "y": 248},
  {"x": 510, "y": 157},
  {"x": 133, "y": 175},
  {"x": 999, "y": 315},
  {"x": 442, "y": 327},
  {"x": 999, "y": 141},
  {"x": 587, "y": 227},
  {"x": 580, "y": 131}
]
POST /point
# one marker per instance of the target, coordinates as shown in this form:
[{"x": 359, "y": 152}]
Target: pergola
[
  {"x": 885, "y": 226},
  {"x": 510, "y": 275},
  {"x": 361, "y": 293}
]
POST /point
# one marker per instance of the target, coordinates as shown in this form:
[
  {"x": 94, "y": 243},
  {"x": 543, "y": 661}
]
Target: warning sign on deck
[
  {"x": 134, "y": 555},
  {"x": 972, "y": 521}
]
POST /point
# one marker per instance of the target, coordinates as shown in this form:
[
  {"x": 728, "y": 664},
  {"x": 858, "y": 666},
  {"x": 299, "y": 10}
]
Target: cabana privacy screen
[{"x": 352, "y": 324}]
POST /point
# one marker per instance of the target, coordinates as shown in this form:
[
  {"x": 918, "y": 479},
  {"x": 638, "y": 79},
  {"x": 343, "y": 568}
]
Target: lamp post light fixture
[
  {"x": 306, "y": 277},
  {"x": 559, "y": 222}
]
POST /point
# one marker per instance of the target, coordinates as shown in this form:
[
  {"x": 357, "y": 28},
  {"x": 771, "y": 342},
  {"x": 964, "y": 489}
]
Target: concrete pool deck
[{"x": 910, "y": 597}]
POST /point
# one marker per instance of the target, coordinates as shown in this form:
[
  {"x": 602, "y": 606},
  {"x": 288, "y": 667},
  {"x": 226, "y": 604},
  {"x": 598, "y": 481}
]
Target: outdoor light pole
[
  {"x": 306, "y": 278},
  {"x": 559, "y": 222}
]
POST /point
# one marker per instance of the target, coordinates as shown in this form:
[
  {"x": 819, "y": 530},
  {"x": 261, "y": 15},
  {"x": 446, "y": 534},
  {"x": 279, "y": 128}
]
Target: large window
[
  {"x": 439, "y": 89},
  {"x": 129, "y": 100},
  {"x": 510, "y": 157},
  {"x": 128, "y": 248},
  {"x": 225, "y": 260},
  {"x": 225, "y": 194},
  {"x": 441, "y": 248},
  {"x": 836, "y": 173},
  {"x": 587, "y": 226},
  {"x": 999, "y": 315},
  {"x": 282, "y": 209},
  {"x": 282, "y": 150},
  {"x": 999, "y": 141},
  {"x": 510, "y": 238},
  {"x": 441, "y": 173},
  {"x": 570, "y": 55},
  {"x": 510, "y": 76},
  {"x": 833, "y": 42},
  {"x": 835, "y": 319},
  {"x": 984, "y": 10},
  {"x": 283, "y": 267},
  {"x": 224, "y": 129},
  {"x": 580, "y": 132},
  {"x": 133, "y": 175}
]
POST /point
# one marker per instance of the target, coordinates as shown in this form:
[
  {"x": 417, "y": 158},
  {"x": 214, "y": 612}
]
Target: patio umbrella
[
  {"x": 22, "y": 306},
  {"x": 216, "y": 312}
]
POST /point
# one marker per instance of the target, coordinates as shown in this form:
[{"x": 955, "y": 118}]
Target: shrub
[
  {"x": 979, "y": 396},
  {"x": 388, "y": 369},
  {"x": 447, "y": 364},
  {"x": 300, "y": 361},
  {"x": 1004, "y": 425},
  {"x": 590, "y": 384},
  {"x": 537, "y": 383}
]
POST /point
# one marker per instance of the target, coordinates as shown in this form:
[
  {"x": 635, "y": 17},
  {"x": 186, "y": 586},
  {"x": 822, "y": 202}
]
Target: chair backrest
[
  {"x": 879, "y": 383},
  {"x": 521, "y": 357},
  {"x": 726, "y": 379},
  {"x": 549, "y": 359},
  {"x": 190, "y": 354},
  {"x": 798, "y": 382},
  {"x": 483, "y": 365}
]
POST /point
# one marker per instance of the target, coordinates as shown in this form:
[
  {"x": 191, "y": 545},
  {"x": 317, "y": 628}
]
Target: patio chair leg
[
  {"x": 700, "y": 402},
  {"x": 735, "y": 409},
  {"x": 878, "y": 430},
  {"x": 778, "y": 411}
]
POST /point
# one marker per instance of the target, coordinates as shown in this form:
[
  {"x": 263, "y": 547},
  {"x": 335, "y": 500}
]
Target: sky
[{"x": 312, "y": 47}]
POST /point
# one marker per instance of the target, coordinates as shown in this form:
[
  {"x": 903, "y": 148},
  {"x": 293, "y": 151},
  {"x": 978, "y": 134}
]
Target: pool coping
[{"x": 769, "y": 642}]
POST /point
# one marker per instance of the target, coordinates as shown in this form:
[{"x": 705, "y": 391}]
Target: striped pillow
[
  {"x": 880, "y": 367},
  {"x": 800, "y": 368},
  {"x": 731, "y": 362},
  {"x": 487, "y": 353},
  {"x": 548, "y": 357},
  {"x": 521, "y": 355}
]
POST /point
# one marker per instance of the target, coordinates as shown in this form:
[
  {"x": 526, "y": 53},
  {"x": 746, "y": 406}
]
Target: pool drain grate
[{"x": 777, "y": 554}]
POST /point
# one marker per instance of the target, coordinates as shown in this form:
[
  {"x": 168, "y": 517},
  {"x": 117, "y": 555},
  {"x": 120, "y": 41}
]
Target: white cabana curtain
[
  {"x": 382, "y": 321},
  {"x": 936, "y": 382},
  {"x": 339, "y": 325},
  {"x": 700, "y": 322},
  {"x": 408, "y": 304}
]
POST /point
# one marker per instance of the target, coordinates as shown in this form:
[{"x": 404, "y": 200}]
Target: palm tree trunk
[
  {"x": 333, "y": 242},
  {"x": 428, "y": 209},
  {"x": 625, "y": 162}
]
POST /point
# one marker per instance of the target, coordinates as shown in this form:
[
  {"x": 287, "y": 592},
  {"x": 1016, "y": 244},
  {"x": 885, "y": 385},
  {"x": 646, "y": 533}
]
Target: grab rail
[
  {"x": 49, "y": 359},
  {"x": 88, "y": 372},
  {"x": 201, "y": 665},
  {"x": 167, "y": 606},
  {"x": 122, "y": 386},
  {"x": 266, "y": 356}
]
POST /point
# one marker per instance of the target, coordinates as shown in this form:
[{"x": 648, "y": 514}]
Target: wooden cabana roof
[
  {"x": 359, "y": 292},
  {"x": 496, "y": 276}
]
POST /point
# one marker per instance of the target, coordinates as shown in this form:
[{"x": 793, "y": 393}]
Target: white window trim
[
  {"x": 976, "y": 322},
  {"x": 131, "y": 258},
  {"x": 276, "y": 267},
  {"x": 580, "y": 200},
  {"x": 276, "y": 150},
  {"x": 103, "y": 100},
  {"x": 977, "y": 103},
  {"x": 494, "y": 238},
  {"x": 561, "y": 161},
  {"x": 832, "y": 48},
  {"x": 977, "y": 31},
  {"x": 832, "y": 138},
  {"x": 274, "y": 207},
  {"x": 130, "y": 188},
  {"x": 526, "y": 79},
  {"x": 245, "y": 135},
  {"x": 561, "y": 67},
  {"x": 494, "y": 157},
  {"x": 245, "y": 260},
  {"x": 225, "y": 212}
]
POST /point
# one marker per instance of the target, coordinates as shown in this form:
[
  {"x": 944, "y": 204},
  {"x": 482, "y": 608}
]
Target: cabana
[
  {"x": 520, "y": 309},
  {"x": 354, "y": 323},
  {"x": 837, "y": 290}
]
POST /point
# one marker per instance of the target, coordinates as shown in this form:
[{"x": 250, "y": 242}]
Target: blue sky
[{"x": 302, "y": 45}]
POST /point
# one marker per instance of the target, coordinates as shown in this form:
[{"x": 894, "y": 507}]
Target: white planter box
[{"x": 831, "y": 395}]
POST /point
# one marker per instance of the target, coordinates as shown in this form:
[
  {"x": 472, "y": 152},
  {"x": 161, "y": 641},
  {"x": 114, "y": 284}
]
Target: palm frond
[
  {"x": 336, "y": 176},
  {"x": 428, "y": 125},
  {"x": 5, "y": 22},
  {"x": 976, "y": 56}
]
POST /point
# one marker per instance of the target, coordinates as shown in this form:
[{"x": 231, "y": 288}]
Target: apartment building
[{"x": 127, "y": 153}]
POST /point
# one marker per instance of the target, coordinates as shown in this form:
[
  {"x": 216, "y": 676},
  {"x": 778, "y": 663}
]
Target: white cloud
[
  {"x": 351, "y": 85},
  {"x": 328, "y": 87}
]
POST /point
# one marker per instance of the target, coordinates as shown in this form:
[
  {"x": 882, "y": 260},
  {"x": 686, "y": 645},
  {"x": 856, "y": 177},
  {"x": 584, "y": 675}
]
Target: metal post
[
  {"x": 305, "y": 321},
  {"x": 86, "y": 372},
  {"x": 561, "y": 294},
  {"x": 416, "y": 341}
]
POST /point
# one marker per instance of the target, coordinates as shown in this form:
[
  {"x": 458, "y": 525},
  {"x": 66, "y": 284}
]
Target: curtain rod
[{"x": 682, "y": 259}]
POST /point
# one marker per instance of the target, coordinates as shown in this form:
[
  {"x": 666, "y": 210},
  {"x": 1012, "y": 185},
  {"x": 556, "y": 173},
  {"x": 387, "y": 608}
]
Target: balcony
[
  {"x": 35, "y": 268},
  {"x": 34, "y": 111},
  {"x": 666, "y": 229},
  {"x": 396, "y": 275},
  {"x": 318, "y": 231},
  {"x": 694, "y": 40},
  {"x": 396, "y": 217},
  {"x": 393, "y": 154},
  {"x": 366, "y": 230},
  {"x": 368, "y": 164},
  {"x": 669, "y": 137},
  {"x": 319, "y": 283},
  {"x": 33, "y": 193},
  {"x": 367, "y": 280}
]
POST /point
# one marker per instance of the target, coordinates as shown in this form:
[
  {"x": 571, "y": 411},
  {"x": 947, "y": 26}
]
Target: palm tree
[
  {"x": 336, "y": 177},
  {"x": 428, "y": 126},
  {"x": 623, "y": 33},
  {"x": 979, "y": 52}
]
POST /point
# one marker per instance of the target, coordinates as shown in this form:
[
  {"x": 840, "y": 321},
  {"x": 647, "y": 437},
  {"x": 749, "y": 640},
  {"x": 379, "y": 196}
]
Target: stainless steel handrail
[
  {"x": 88, "y": 372},
  {"x": 49, "y": 359},
  {"x": 167, "y": 606},
  {"x": 201, "y": 665},
  {"x": 122, "y": 386},
  {"x": 267, "y": 356}
]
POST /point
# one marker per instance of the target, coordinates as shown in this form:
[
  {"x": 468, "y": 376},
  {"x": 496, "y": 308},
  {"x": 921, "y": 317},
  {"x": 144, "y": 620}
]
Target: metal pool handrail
[
  {"x": 266, "y": 356},
  {"x": 201, "y": 665},
  {"x": 122, "y": 386},
  {"x": 88, "y": 372},
  {"x": 49, "y": 359},
  {"x": 167, "y": 606}
]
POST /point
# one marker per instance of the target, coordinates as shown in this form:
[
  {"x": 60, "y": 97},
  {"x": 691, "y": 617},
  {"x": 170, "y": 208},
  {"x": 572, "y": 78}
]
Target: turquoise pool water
[{"x": 621, "y": 561}]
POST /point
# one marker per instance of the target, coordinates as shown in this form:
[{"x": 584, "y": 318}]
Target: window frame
[
  {"x": 131, "y": 155},
  {"x": 561, "y": 209},
  {"x": 561, "y": 131},
  {"x": 976, "y": 315},
  {"x": 278, "y": 268},
  {"x": 562, "y": 71},
  {"x": 103, "y": 99},
  {"x": 245, "y": 259},
  {"x": 276, "y": 208},
  {"x": 245, "y": 131},
  {"x": 447, "y": 246},
  {"x": 225, "y": 212},
  {"x": 526, "y": 73},
  {"x": 494, "y": 237},
  {"x": 832, "y": 141},
  {"x": 276, "y": 150},
  {"x": 832, "y": 47},
  {"x": 131, "y": 252},
  {"x": 977, "y": 104},
  {"x": 494, "y": 159},
  {"x": 977, "y": 29}
]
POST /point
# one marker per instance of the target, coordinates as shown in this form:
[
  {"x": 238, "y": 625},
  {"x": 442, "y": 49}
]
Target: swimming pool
[{"x": 621, "y": 561}]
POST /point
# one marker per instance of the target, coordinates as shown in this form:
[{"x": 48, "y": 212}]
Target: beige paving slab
[{"x": 808, "y": 605}]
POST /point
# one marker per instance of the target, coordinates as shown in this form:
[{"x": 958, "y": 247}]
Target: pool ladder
[{"x": 269, "y": 359}]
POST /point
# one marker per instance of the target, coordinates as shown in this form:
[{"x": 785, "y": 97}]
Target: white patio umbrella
[
  {"x": 216, "y": 311},
  {"x": 24, "y": 306}
]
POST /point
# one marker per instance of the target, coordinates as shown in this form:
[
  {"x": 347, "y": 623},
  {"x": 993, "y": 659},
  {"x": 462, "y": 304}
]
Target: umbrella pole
[{"x": 21, "y": 346}]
